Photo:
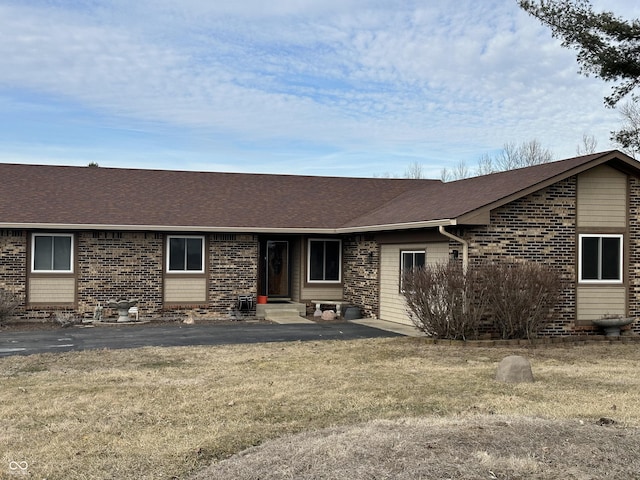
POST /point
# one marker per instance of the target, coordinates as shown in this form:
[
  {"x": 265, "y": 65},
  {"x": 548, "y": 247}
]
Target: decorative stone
[
  {"x": 123, "y": 307},
  {"x": 612, "y": 325},
  {"x": 514, "y": 369},
  {"x": 97, "y": 313},
  {"x": 352, "y": 313},
  {"x": 328, "y": 315}
]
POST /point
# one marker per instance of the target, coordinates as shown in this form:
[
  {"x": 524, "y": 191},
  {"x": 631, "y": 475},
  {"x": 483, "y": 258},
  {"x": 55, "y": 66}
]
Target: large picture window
[
  {"x": 600, "y": 258},
  {"x": 185, "y": 254},
  {"x": 324, "y": 260},
  {"x": 52, "y": 253}
]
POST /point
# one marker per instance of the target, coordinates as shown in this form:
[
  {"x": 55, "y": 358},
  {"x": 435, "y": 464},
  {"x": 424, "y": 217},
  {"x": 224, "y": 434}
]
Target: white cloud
[{"x": 405, "y": 79}]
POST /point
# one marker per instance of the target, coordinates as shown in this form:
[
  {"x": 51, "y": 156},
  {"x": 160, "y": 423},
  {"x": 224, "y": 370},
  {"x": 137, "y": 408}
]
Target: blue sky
[{"x": 331, "y": 87}]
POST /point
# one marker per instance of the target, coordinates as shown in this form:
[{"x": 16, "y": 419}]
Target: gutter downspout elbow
[{"x": 465, "y": 246}]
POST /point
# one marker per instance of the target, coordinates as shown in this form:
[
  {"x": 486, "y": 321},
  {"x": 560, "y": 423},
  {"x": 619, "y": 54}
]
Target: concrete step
[{"x": 299, "y": 308}]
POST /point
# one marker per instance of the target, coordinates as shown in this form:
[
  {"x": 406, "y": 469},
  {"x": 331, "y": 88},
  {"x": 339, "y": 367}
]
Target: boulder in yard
[{"x": 514, "y": 369}]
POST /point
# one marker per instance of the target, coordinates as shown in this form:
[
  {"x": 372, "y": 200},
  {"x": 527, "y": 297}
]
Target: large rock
[
  {"x": 328, "y": 315},
  {"x": 514, "y": 369}
]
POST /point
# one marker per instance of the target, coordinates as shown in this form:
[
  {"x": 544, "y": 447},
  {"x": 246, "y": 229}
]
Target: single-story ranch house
[{"x": 75, "y": 237}]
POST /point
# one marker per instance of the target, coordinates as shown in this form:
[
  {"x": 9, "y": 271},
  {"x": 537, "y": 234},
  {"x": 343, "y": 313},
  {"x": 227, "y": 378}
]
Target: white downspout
[{"x": 465, "y": 246}]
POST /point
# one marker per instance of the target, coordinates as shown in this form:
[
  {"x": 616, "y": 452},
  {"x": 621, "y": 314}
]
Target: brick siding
[
  {"x": 539, "y": 228},
  {"x": 13, "y": 245},
  {"x": 361, "y": 258},
  {"x": 634, "y": 251},
  {"x": 115, "y": 265},
  {"x": 233, "y": 270}
]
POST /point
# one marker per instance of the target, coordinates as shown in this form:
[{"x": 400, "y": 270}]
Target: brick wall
[
  {"x": 361, "y": 258},
  {"x": 114, "y": 265},
  {"x": 233, "y": 270},
  {"x": 634, "y": 250},
  {"x": 13, "y": 263},
  {"x": 540, "y": 228}
]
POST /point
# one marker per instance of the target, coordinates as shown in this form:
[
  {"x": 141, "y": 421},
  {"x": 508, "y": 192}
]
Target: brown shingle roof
[
  {"x": 126, "y": 197},
  {"x": 455, "y": 199},
  {"x": 156, "y": 199}
]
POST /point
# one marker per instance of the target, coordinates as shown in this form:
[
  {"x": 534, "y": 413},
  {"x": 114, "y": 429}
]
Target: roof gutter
[
  {"x": 228, "y": 229},
  {"x": 465, "y": 246}
]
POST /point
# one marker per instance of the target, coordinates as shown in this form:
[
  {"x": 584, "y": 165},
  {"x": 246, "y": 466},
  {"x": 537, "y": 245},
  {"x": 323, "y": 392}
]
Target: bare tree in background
[
  {"x": 511, "y": 156},
  {"x": 588, "y": 145},
  {"x": 414, "y": 170},
  {"x": 486, "y": 165},
  {"x": 459, "y": 172},
  {"x": 524, "y": 155},
  {"x": 628, "y": 138}
]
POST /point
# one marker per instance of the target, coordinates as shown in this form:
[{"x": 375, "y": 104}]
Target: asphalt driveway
[{"x": 173, "y": 335}]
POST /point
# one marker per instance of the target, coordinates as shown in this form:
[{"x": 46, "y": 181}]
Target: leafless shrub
[
  {"x": 444, "y": 301},
  {"x": 521, "y": 295},
  {"x": 9, "y": 301},
  {"x": 517, "y": 297}
]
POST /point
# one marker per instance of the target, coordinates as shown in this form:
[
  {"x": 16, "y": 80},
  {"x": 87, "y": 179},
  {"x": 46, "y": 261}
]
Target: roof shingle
[{"x": 155, "y": 199}]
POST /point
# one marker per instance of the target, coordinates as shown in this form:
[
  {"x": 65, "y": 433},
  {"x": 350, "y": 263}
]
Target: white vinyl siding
[{"x": 392, "y": 304}]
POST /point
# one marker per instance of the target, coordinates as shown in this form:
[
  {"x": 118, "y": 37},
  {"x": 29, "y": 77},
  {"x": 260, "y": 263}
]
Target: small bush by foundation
[{"x": 9, "y": 302}]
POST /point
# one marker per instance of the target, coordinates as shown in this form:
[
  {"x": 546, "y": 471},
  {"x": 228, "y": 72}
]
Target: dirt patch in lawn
[{"x": 480, "y": 447}]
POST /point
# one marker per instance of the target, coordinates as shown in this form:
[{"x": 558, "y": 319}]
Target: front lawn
[{"x": 169, "y": 412}]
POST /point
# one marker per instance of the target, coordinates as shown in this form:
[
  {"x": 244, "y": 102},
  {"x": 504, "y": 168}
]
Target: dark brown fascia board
[{"x": 480, "y": 216}]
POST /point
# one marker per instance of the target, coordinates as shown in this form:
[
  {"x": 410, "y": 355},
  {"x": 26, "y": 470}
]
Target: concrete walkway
[{"x": 400, "y": 329}]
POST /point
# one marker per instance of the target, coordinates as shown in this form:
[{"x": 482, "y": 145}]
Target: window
[
  {"x": 185, "y": 254},
  {"x": 600, "y": 258},
  {"x": 324, "y": 260},
  {"x": 410, "y": 259},
  {"x": 52, "y": 253}
]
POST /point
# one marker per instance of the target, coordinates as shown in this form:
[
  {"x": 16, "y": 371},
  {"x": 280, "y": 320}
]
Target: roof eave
[
  {"x": 399, "y": 226},
  {"x": 227, "y": 229}
]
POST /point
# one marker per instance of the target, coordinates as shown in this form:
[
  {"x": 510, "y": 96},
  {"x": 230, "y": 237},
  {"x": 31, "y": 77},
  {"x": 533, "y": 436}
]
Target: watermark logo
[{"x": 18, "y": 467}]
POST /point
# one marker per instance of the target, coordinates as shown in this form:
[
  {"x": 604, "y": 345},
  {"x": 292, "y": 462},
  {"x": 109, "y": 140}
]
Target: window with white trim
[
  {"x": 52, "y": 253},
  {"x": 185, "y": 254},
  {"x": 600, "y": 259},
  {"x": 410, "y": 260},
  {"x": 324, "y": 260}
]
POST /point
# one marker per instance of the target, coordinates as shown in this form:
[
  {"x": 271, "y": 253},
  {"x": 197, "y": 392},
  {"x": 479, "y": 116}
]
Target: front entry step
[{"x": 298, "y": 308}]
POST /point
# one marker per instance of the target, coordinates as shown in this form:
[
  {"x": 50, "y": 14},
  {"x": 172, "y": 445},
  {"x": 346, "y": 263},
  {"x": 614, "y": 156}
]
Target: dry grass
[
  {"x": 169, "y": 412},
  {"x": 462, "y": 448}
]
